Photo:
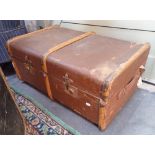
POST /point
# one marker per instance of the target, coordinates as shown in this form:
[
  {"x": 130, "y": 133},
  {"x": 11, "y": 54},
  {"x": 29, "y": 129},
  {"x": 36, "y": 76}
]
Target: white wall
[{"x": 134, "y": 31}]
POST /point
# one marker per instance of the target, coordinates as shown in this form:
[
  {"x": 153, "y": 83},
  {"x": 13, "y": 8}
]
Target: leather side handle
[
  {"x": 142, "y": 69},
  {"x": 131, "y": 82}
]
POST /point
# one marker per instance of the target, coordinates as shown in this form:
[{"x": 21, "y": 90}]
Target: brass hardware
[
  {"x": 68, "y": 87},
  {"x": 28, "y": 65},
  {"x": 67, "y": 81}
]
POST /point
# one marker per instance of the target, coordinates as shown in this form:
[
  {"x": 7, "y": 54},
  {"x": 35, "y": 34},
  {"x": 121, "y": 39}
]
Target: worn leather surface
[
  {"x": 89, "y": 66},
  {"x": 88, "y": 57}
]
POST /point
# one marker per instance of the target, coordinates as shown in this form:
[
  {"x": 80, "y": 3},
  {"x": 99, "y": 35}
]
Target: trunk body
[{"x": 93, "y": 76}]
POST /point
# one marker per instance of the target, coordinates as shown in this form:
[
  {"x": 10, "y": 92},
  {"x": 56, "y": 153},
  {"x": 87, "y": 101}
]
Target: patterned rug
[{"x": 38, "y": 122}]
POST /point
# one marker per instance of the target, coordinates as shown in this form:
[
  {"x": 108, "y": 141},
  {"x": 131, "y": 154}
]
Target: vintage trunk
[{"x": 88, "y": 73}]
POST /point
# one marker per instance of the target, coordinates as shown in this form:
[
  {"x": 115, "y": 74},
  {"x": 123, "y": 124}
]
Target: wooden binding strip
[{"x": 54, "y": 49}]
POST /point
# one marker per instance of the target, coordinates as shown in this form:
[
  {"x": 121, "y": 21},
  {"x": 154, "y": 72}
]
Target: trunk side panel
[
  {"x": 77, "y": 100},
  {"x": 123, "y": 87}
]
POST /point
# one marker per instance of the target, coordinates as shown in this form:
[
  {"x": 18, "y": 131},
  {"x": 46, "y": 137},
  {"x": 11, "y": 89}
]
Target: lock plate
[
  {"x": 28, "y": 65},
  {"x": 68, "y": 87}
]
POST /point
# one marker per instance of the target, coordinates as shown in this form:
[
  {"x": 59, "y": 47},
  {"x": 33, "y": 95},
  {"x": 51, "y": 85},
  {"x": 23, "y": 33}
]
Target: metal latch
[
  {"x": 28, "y": 65},
  {"x": 68, "y": 87}
]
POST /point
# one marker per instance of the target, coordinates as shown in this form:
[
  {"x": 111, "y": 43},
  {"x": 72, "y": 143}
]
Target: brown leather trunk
[{"x": 94, "y": 75}]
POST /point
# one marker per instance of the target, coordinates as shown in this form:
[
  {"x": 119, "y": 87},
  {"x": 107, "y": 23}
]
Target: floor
[{"x": 137, "y": 116}]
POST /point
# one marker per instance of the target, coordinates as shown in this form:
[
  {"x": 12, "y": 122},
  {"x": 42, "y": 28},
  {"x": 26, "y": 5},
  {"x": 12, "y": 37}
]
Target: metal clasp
[
  {"x": 28, "y": 65},
  {"x": 68, "y": 87},
  {"x": 67, "y": 81}
]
